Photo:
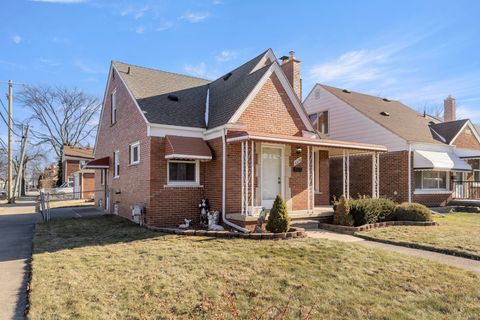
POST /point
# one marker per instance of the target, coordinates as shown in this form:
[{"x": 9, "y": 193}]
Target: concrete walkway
[
  {"x": 17, "y": 223},
  {"x": 458, "y": 262}
]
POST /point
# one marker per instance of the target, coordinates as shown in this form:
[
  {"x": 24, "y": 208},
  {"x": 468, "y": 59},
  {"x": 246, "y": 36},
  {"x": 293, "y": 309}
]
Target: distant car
[{"x": 3, "y": 195}]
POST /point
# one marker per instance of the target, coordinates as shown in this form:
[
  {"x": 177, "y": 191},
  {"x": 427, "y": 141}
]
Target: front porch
[{"x": 297, "y": 168}]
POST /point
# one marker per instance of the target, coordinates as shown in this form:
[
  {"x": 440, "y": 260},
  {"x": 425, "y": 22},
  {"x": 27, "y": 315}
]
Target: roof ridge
[
  {"x": 363, "y": 94},
  {"x": 243, "y": 64},
  {"x": 158, "y": 70}
]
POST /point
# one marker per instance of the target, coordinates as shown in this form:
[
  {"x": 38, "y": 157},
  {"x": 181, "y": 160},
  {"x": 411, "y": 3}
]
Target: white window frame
[
  {"x": 131, "y": 147},
  {"x": 184, "y": 183},
  {"x": 474, "y": 170},
  {"x": 432, "y": 190},
  {"x": 113, "y": 106},
  {"x": 116, "y": 162}
]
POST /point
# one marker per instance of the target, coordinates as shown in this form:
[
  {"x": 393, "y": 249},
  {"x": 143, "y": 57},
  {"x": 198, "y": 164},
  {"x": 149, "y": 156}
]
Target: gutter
[
  {"x": 224, "y": 187},
  {"x": 409, "y": 173}
]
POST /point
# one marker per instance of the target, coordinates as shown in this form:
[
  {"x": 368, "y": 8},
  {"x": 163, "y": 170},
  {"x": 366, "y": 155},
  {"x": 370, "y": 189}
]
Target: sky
[{"x": 416, "y": 51}]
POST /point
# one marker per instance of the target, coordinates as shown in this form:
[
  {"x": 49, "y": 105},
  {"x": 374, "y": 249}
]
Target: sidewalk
[
  {"x": 458, "y": 262},
  {"x": 17, "y": 223}
]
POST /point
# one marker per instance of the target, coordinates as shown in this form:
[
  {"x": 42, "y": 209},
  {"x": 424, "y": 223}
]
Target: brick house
[
  {"x": 429, "y": 160},
  {"x": 166, "y": 141},
  {"x": 75, "y": 175}
]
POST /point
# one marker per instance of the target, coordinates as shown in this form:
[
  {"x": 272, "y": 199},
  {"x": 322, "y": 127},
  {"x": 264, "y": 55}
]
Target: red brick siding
[
  {"x": 393, "y": 179},
  {"x": 467, "y": 140},
  {"x": 213, "y": 175},
  {"x": 132, "y": 186},
  {"x": 70, "y": 167},
  {"x": 299, "y": 180},
  {"x": 271, "y": 111}
]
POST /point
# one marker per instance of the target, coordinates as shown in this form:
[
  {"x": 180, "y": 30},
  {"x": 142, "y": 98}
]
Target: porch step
[{"x": 464, "y": 203}]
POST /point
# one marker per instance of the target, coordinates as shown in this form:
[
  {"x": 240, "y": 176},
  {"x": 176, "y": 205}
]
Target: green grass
[
  {"x": 459, "y": 232},
  {"x": 109, "y": 268}
]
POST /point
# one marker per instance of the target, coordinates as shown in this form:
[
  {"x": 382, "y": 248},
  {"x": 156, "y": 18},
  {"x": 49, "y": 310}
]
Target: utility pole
[
  {"x": 10, "y": 177},
  {"x": 17, "y": 191}
]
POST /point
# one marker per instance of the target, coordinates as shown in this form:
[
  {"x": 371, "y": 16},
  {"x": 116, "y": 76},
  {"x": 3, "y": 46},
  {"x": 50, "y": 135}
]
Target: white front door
[{"x": 271, "y": 175}]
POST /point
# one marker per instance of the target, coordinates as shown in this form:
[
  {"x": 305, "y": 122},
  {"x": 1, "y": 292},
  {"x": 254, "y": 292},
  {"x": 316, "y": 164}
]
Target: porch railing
[{"x": 466, "y": 190}]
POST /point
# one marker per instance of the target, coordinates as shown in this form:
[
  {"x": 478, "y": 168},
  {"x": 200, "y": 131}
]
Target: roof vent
[
  {"x": 172, "y": 97},
  {"x": 385, "y": 114},
  {"x": 431, "y": 123},
  {"x": 346, "y": 91},
  {"x": 386, "y": 100},
  {"x": 128, "y": 70},
  {"x": 228, "y": 75}
]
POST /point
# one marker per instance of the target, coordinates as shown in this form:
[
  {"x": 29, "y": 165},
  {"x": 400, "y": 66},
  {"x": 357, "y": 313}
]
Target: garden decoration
[
  {"x": 185, "y": 225},
  {"x": 213, "y": 221},
  {"x": 204, "y": 211},
  {"x": 260, "y": 221}
]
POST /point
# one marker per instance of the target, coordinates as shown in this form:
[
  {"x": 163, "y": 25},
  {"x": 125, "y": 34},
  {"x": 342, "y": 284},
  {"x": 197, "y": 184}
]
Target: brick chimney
[
  {"x": 291, "y": 68},
  {"x": 450, "y": 109}
]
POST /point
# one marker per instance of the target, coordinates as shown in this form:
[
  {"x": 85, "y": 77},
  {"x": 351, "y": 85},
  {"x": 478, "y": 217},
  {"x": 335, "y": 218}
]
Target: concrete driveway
[{"x": 17, "y": 223}]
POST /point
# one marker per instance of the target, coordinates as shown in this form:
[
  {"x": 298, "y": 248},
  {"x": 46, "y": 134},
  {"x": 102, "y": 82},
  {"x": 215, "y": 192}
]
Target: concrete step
[{"x": 306, "y": 224}]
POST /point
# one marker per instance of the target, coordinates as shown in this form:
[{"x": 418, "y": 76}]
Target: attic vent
[
  {"x": 386, "y": 100},
  {"x": 172, "y": 97},
  {"x": 346, "y": 91},
  {"x": 228, "y": 75},
  {"x": 385, "y": 114}
]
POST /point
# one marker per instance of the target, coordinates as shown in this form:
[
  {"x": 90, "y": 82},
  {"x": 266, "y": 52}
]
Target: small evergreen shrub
[
  {"x": 278, "y": 219},
  {"x": 368, "y": 210},
  {"x": 412, "y": 212},
  {"x": 342, "y": 214}
]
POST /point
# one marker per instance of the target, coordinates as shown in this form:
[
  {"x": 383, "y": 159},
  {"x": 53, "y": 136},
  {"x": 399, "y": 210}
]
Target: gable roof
[
  {"x": 449, "y": 130},
  {"x": 151, "y": 89},
  {"x": 401, "y": 120},
  {"x": 78, "y": 152}
]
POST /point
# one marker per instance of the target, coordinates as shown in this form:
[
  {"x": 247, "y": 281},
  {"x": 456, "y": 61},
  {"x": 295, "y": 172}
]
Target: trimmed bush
[
  {"x": 412, "y": 212},
  {"x": 367, "y": 210},
  {"x": 278, "y": 219},
  {"x": 342, "y": 214}
]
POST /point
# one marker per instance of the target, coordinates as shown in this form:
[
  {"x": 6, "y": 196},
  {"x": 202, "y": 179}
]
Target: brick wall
[
  {"x": 467, "y": 140},
  {"x": 132, "y": 186},
  {"x": 70, "y": 166},
  {"x": 322, "y": 197},
  {"x": 393, "y": 179},
  {"x": 271, "y": 111}
]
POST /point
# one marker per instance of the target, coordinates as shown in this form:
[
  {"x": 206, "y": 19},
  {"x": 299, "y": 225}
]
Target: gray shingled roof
[
  {"x": 151, "y": 88},
  {"x": 450, "y": 129},
  {"x": 402, "y": 120}
]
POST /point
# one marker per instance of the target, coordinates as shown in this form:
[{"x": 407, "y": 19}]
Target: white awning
[
  {"x": 443, "y": 161},
  {"x": 467, "y": 153}
]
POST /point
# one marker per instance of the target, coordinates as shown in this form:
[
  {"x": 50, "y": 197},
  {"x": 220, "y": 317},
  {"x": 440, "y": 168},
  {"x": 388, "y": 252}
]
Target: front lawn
[
  {"x": 109, "y": 268},
  {"x": 458, "y": 232}
]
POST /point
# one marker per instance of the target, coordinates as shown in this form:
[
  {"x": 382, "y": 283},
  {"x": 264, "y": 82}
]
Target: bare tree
[
  {"x": 34, "y": 159},
  {"x": 65, "y": 115},
  {"x": 434, "y": 110}
]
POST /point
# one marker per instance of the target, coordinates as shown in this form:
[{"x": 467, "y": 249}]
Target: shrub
[
  {"x": 342, "y": 214},
  {"x": 278, "y": 219},
  {"x": 367, "y": 210},
  {"x": 412, "y": 212}
]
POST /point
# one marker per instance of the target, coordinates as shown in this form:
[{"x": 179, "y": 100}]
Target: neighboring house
[
  {"x": 75, "y": 175},
  {"x": 166, "y": 141},
  {"x": 437, "y": 156}
]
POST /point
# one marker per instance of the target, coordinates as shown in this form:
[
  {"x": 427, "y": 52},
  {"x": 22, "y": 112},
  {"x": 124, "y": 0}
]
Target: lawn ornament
[
  {"x": 185, "y": 225},
  {"x": 204, "y": 210},
  {"x": 213, "y": 221}
]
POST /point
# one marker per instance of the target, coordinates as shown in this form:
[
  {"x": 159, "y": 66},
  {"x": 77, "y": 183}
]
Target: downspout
[
  {"x": 409, "y": 173},
  {"x": 224, "y": 186}
]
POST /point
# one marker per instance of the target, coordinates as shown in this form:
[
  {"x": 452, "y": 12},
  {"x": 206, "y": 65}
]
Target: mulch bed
[{"x": 368, "y": 227}]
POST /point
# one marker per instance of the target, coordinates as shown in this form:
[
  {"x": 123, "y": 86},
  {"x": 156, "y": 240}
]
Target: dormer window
[{"x": 320, "y": 121}]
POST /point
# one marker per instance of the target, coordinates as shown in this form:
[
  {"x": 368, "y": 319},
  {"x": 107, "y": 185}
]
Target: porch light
[{"x": 299, "y": 150}]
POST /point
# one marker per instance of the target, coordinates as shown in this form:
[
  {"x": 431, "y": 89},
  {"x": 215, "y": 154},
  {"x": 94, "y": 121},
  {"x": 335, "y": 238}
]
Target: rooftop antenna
[{"x": 128, "y": 70}]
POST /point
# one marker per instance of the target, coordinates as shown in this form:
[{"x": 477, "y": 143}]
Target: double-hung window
[
  {"x": 113, "y": 106},
  {"x": 182, "y": 172},
  {"x": 320, "y": 121},
  {"x": 135, "y": 153},
  {"x": 476, "y": 170},
  {"x": 116, "y": 164},
  {"x": 431, "y": 180}
]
